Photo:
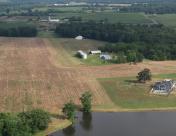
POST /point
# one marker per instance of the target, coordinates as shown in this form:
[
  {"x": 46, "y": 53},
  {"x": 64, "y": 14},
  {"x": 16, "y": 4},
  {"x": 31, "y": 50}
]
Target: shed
[
  {"x": 95, "y": 52},
  {"x": 105, "y": 57},
  {"x": 82, "y": 54},
  {"x": 79, "y": 37}
]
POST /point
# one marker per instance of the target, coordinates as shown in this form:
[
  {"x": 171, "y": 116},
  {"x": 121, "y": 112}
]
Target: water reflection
[
  {"x": 86, "y": 121},
  {"x": 69, "y": 131},
  {"x": 122, "y": 124}
]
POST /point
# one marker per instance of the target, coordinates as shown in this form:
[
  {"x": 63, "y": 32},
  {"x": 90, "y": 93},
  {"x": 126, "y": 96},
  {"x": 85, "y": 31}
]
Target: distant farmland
[
  {"x": 166, "y": 19},
  {"x": 129, "y": 18}
]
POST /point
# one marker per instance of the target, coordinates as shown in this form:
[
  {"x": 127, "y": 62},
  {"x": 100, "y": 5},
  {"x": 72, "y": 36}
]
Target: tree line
[
  {"x": 135, "y": 52},
  {"x": 10, "y": 30},
  {"x": 118, "y": 32},
  {"x": 24, "y": 123},
  {"x": 130, "y": 42}
]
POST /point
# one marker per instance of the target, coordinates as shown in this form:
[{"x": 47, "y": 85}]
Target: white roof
[
  {"x": 95, "y": 51},
  {"x": 79, "y": 37}
]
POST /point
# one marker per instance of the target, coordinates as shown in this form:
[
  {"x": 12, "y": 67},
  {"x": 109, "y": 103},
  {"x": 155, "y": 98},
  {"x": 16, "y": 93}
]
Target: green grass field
[
  {"x": 68, "y": 47},
  {"x": 129, "y": 18},
  {"x": 125, "y": 93},
  {"x": 166, "y": 19},
  {"x": 94, "y": 60}
]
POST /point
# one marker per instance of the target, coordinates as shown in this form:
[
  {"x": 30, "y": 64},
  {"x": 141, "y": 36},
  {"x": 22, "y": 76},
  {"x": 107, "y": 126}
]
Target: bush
[{"x": 11, "y": 125}]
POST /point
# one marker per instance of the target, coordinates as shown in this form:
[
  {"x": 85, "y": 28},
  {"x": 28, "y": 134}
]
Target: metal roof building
[{"x": 163, "y": 87}]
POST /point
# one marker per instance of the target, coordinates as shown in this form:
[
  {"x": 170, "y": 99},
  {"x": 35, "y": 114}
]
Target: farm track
[{"x": 30, "y": 77}]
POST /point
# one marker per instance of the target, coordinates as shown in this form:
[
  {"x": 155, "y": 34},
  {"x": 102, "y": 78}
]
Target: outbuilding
[
  {"x": 82, "y": 54},
  {"x": 105, "y": 57},
  {"x": 79, "y": 37},
  {"x": 95, "y": 52}
]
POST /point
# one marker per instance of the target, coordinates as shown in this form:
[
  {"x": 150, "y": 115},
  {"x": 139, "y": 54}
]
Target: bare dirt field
[{"x": 33, "y": 74}]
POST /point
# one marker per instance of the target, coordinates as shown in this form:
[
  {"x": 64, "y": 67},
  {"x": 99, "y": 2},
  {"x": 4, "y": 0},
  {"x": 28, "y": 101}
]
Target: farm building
[
  {"x": 53, "y": 20},
  {"x": 95, "y": 52},
  {"x": 82, "y": 54},
  {"x": 105, "y": 57},
  {"x": 79, "y": 37},
  {"x": 163, "y": 87}
]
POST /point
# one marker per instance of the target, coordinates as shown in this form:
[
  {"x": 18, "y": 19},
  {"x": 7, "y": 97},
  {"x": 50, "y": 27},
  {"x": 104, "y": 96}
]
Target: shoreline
[
  {"x": 134, "y": 110},
  {"x": 59, "y": 124}
]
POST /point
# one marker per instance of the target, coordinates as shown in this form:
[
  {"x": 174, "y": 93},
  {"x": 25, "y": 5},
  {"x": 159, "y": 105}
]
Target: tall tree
[
  {"x": 144, "y": 75},
  {"x": 86, "y": 100},
  {"x": 69, "y": 110}
]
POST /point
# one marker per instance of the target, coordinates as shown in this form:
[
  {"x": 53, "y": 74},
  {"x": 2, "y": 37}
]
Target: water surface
[{"x": 122, "y": 124}]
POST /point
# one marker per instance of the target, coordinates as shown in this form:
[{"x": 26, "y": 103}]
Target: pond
[{"x": 122, "y": 124}]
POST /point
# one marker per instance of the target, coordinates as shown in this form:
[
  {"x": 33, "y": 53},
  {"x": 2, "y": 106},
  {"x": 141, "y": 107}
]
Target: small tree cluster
[
  {"x": 69, "y": 108},
  {"x": 69, "y": 111},
  {"x": 86, "y": 99},
  {"x": 144, "y": 75},
  {"x": 23, "y": 124},
  {"x": 36, "y": 119}
]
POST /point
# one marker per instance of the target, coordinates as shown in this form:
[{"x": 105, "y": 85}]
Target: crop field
[
  {"x": 29, "y": 77},
  {"x": 166, "y": 19},
  {"x": 36, "y": 72},
  {"x": 129, "y": 18}
]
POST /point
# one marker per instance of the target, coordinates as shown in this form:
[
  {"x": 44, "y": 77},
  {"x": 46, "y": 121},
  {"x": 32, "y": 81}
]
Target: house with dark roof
[{"x": 163, "y": 87}]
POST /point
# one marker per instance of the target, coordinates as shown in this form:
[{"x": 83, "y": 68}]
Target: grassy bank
[
  {"x": 126, "y": 93},
  {"x": 55, "y": 125}
]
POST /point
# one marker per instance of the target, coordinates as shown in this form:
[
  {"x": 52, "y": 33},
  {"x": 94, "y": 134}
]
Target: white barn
[
  {"x": 82, "y": 54},
  {"x": 53, "y": 20},
  {"x": 79, "y": 37}
]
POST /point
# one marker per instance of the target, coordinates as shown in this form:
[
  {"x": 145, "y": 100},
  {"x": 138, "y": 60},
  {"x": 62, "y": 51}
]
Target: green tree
[
  {"x": 69, "y": 111},
  {"x": 131, "y": 56},
  {"x": 7, "y": 11},
  {"x": 86, "y": 99},
  {"x": 36, "y": 119},
  {"x": 144, "y": 75}
]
